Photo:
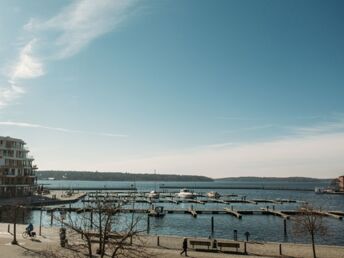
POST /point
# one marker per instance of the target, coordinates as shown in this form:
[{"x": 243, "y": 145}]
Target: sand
[{"x": 169, "y": 246}]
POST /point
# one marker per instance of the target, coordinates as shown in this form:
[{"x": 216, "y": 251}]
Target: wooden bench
[
  {"x": 227, "y": 244},
  {"x": 199, "y": 242}
]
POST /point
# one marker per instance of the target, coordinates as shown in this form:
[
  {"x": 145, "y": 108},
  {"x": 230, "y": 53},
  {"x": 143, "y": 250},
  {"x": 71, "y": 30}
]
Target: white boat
[
  {"x": 153, "y": 195},
  {"x": 213, "y": 195},
  {"x": 322, "y": 190},
  {"x": 186, "y": 194}
]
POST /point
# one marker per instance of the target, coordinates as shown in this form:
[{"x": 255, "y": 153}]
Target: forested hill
[
  {"x": 116, "y": 176},
  {"x": 272, "y": 179}
]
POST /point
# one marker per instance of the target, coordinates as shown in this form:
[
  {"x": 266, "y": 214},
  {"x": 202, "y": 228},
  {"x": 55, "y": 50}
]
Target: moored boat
[
  {"x": 213, "y": 195},
  {"x": 153, "y": 195},
  {"x": 185, "y": 193}
]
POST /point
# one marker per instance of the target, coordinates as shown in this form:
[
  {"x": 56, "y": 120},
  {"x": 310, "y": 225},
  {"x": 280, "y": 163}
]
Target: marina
[{"x": 241, "y": 209}]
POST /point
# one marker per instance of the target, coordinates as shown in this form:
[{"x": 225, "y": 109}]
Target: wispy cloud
[
  {"x": 9, "y": 93},
  {"x": 60, "y": 37},
  {"x": 336, "y": 125},
  {"x": 314, "y": 156},
  {"x": 59, "y": 129},
  {"x": 28, "y": 65},
  {"x": 80, "y": 23}
]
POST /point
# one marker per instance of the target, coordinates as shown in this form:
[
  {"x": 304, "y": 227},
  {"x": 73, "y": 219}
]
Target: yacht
[{"x": 185, "y": 193}]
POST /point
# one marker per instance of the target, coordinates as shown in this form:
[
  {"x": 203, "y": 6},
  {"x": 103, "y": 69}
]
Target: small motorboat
[
  {"x": 213, "y": 195},
  {"x": 157, "y": 212},
  {"x": 185, "y": 194},
  {"x": 153, "y": 195}
]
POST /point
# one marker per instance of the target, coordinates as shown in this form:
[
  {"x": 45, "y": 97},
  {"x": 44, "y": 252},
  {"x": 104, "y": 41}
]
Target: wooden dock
[
  {"x": 192, "y": 212},
  {"x": 233, "y": 212},
  {"x": 276, "y": 213},
  {"x": 329, "y": 214}
]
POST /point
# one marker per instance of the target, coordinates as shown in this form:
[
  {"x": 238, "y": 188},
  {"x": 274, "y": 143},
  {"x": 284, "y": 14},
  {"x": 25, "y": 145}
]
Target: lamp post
[{"x": 14, "y": 241}]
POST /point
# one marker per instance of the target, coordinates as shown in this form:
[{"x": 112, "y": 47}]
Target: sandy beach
[{"x": 169, "y": 246}]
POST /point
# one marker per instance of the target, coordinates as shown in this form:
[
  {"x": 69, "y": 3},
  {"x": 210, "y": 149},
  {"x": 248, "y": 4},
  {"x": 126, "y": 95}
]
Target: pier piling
[
  {"x": 235, "y": 235},
  {"x": 148, "y": 224},
  {"x": 51, "y": 218},
  {"x": 212, "y": 226}
]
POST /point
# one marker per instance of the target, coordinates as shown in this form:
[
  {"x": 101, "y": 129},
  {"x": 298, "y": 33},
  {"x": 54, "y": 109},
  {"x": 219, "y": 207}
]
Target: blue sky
[{"x": 217, "y": 88}]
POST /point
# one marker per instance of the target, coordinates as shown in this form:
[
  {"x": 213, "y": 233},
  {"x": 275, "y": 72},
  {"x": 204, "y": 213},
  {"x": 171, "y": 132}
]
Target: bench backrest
[{"x": 192, "y": 242}]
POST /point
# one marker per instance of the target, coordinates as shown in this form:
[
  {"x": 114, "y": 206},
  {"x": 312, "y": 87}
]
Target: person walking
[{"x": 185, "y": 247}]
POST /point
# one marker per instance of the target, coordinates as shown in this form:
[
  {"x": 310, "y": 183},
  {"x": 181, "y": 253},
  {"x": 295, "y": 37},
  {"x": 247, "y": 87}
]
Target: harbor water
[{"x": 260, "y": 227}]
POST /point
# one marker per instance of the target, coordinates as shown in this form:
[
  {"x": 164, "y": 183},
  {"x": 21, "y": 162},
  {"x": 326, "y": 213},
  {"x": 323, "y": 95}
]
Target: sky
[{"x": 216, "y": 88}]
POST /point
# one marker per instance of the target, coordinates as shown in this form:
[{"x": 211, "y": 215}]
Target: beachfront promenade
[{"x": 169, "y": 246}]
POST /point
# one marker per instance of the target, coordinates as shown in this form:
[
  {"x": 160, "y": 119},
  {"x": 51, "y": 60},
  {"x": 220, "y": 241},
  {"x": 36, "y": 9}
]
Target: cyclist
[{"x": 29, "y": 229}]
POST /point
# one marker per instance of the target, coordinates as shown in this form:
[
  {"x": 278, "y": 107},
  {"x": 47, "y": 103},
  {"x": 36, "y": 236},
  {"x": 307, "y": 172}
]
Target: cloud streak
[
  {"x": 59, "y": 129},
  {"x": 60, "y": 37}
]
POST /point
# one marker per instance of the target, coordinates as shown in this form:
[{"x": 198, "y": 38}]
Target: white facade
[{"x": 17, "y": 173}]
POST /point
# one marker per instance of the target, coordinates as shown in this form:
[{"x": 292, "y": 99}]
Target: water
[{"x": 260, "y": 227}]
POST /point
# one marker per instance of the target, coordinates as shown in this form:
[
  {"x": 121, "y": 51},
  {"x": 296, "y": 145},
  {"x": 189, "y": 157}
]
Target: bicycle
[{"x": 26, "y": 235}]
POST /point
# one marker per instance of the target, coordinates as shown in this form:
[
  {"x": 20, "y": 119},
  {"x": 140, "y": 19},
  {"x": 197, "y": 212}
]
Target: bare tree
[
  {"x": 309, "y": 221},
  {"x": 100, "y": 225}
]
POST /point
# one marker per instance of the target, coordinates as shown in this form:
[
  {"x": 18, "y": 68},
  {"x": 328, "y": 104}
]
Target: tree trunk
[
  {"x": 313, "y": 245},
  {"x": 89, "y": 246}
]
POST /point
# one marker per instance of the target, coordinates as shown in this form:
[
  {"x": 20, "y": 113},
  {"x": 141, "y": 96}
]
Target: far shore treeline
[
  {"x": 120, "y": 176},
  {"x": 116, "y": 176}
]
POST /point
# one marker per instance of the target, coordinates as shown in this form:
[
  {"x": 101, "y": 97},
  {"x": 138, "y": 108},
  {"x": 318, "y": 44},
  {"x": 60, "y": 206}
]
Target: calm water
[{"x": 260, "y": 227}]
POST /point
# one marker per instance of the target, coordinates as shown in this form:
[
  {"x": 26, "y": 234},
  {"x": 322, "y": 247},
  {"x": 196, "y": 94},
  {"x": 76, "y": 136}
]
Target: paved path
[{"x": 169, "y": 247}]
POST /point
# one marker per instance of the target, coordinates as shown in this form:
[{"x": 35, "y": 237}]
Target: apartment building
[{"x": 17, "y": 172}]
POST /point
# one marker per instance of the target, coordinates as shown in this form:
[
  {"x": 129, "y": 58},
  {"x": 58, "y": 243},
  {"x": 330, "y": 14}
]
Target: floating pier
[
  {"x": 192, "y": 212},
  {"x": 233, "y": 212},
  {"x": 276, "y": 213}
]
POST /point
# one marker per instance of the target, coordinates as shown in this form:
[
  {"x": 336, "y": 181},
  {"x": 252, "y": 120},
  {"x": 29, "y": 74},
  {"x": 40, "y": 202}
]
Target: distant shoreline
[
  {"x": 117, "y": 176},
  {"x": 121, "y": 176}
]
